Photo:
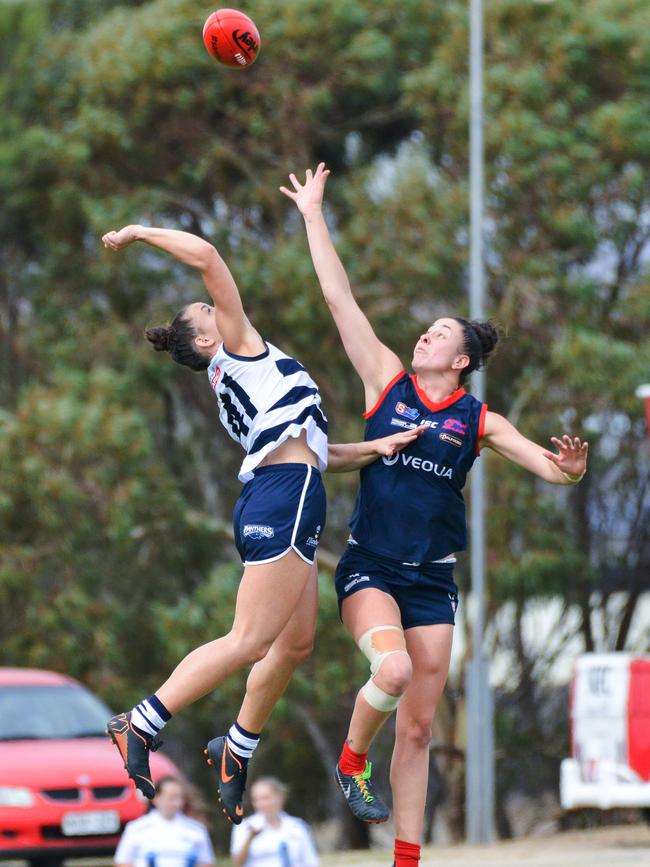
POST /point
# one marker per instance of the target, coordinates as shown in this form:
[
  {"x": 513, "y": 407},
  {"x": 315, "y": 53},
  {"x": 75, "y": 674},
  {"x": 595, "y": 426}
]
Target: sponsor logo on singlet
[
  {"x": 215, "y": 377},
  {"x": 356, "y": 579},
  {"x": 399, "y": 422},
  {"x": 454, "y": 425},
  {"x": 448, "y": 438},
  {"x": 403, "y": 409},
  {"x": 420, "y": 464},
  {"x": 258, "y": 531},
  {"x": 409, "y": 425}
]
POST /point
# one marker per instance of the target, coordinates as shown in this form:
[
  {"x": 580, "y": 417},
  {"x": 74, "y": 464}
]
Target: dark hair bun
[
  {"x": 488, "y": 334},
  {"x": 158, "y": 337}
]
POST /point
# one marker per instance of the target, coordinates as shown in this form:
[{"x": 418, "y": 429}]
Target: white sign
[{"x": 97, "y": 822}]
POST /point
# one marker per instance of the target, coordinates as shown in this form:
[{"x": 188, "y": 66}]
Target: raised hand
[
  {"x": 117, "y": 240},
  {"x": 308, "y": 196},
  {"x": 571, "y": 458}
]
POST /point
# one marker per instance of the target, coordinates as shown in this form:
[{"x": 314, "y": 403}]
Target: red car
[{"x": 63, "y": 788}]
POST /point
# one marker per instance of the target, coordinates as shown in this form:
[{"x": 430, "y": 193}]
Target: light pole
[
  {"x": 479, "y": 767},
  {"x": 643, "y": 391}
]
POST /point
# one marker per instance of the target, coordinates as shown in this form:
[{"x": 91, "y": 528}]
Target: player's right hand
[
  {"x": 308, "y": 196},
  {"x": 117, "y": 240}
]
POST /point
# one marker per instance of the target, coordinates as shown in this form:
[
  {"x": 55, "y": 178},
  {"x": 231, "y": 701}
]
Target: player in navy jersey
[
  {"x": 395, "y": 582},
  {"x": 269, "y": 404}
]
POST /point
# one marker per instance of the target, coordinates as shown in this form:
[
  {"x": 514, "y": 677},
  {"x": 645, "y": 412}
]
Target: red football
[{"x": 231, "y": 38}]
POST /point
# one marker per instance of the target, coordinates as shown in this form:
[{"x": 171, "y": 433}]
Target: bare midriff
[{"x": 292, "y": 451}]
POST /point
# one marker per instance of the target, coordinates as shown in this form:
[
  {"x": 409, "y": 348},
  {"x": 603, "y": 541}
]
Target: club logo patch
[
  {"x": 403, "y": 409},
  {"x": 258, "y": 531},
  {"x": 454, "y": 425},
  {"x": 448, "y": 438},
  {"x": 454, "y": 601}
]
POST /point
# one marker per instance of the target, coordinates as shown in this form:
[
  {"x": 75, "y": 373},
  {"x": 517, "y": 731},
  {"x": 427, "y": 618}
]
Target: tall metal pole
[{"x": 479, "y": 799}]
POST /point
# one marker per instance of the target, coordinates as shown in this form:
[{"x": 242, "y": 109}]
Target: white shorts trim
[
  {"x": 300, "y": 507},
  {"x": 302, "y": 556},
  {"x": 269, "y": 559},
  {"x": 279, "y": 557}
]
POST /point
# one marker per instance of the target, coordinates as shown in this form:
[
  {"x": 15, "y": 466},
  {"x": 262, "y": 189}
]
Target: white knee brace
[{"x": 377, "y": 644}]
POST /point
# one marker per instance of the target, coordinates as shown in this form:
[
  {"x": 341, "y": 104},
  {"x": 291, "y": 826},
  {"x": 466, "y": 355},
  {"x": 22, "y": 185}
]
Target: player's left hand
[
  {"x": 117, "y": 240},
  {"x": 308, "y": 196},
  {"x": 571, "y": 458},
  {"x": 389, "y": 446}
]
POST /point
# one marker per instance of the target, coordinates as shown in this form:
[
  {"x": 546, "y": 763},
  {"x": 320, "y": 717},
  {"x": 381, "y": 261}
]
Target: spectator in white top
[
  {"x": 165, "y": 836},
  {"x": 270, "y": 837}
]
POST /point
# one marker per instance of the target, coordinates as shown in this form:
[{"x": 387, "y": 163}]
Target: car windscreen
[{"x": 35, "y": 712}]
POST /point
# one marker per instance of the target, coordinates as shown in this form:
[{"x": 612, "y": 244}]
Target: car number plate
[{"x": 97, "y": 822}]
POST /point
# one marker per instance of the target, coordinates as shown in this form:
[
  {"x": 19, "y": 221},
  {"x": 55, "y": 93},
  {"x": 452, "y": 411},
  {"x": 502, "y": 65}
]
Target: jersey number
[{"x": 235, "y": 419}]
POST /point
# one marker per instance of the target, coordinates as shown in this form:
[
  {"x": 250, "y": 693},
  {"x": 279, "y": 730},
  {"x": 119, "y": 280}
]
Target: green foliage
[
  {"x": 93, "y": 528},
  {"x": 111, "y": 473}
]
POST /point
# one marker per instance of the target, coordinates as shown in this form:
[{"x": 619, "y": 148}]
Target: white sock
[
  {"x": 242, "y": 742},
  {"x": 150, "y": 716}
]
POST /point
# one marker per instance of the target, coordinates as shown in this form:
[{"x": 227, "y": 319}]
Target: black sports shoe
[
  {"x": 362, "y": 799},
  {"x": 134, "y": 747},
  {"x": 231, "y": 774}
]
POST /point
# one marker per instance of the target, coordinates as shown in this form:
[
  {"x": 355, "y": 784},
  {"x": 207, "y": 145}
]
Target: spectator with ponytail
[{"x": 395, "y": 581}]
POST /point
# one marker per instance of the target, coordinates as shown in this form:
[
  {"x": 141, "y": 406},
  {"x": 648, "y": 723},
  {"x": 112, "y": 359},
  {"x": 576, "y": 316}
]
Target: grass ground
[{"x": 620, "y": 846}]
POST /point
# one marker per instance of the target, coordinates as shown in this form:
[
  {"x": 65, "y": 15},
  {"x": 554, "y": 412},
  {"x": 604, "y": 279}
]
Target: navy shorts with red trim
[
  {"x": 281, "y": 509},
  {"x": 425, "y": 592}
]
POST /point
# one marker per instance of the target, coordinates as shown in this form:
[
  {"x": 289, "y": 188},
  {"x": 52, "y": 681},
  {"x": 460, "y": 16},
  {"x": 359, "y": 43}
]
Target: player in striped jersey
[
  {"x": 270, "y": 404},
  {"x": 395, "y": 581}
]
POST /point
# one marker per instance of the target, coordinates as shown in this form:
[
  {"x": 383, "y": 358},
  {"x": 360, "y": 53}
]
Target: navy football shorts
[
  {"x": 280, "y": 509},
  {"x": 425, "y": 594}
]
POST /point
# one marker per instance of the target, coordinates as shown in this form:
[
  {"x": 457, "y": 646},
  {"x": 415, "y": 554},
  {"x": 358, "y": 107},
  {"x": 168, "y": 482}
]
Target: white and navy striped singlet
[{"x": 264, "y": 400}]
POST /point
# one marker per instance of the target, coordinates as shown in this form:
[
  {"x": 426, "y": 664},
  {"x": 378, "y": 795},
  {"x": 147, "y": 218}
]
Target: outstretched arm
[
  {"x": 566, "y": 467},
  {"x": 345, "y": 457},
  {"x": 237, "y": 332},
  {"x": 375, "y": 363}
]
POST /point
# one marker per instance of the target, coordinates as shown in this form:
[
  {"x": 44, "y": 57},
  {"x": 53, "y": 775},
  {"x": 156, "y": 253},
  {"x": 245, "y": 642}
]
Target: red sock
[
  {"x": 406, "y": 854},
  {"x": 351, "y": 762}
]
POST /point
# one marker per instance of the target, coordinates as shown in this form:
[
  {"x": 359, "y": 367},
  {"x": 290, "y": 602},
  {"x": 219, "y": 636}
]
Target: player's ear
[
  {"x": 460, "y": 362},
  {"x": 204, "y": 341}
]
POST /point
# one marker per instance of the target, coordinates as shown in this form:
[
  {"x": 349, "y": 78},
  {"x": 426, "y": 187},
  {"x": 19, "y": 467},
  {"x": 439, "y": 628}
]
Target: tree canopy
[{"x": 116, "y": 483}]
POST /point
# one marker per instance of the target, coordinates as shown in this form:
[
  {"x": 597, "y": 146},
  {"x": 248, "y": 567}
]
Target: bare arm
[
  {"x": 564, "y": 468},
  {"x": 345, "y": 457},
  {"x": 237, "y": 332},
  {"x": 375, "y": 363}
]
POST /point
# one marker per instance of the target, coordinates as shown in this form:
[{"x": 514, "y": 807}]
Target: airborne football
[{"x": 231, "y": 38}]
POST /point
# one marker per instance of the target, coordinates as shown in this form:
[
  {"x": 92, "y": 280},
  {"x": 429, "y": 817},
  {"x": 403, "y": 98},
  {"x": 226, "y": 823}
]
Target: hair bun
[
  {"x": 158, "y": 337},
  {"x": 488, "y": 334}
]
